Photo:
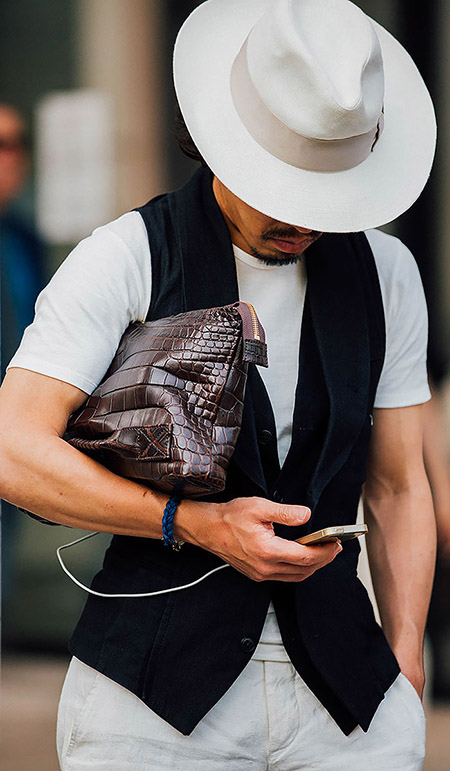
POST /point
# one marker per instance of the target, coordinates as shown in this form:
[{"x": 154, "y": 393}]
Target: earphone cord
[{"x": 124, "y": 596}]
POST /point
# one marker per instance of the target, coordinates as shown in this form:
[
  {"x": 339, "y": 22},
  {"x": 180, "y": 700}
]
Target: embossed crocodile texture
[{"x": 168, "y": 411}]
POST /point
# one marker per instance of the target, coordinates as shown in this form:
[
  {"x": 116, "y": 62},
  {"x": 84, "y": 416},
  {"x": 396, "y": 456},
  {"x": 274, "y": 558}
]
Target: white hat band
[{"x": 325, "y": 155}]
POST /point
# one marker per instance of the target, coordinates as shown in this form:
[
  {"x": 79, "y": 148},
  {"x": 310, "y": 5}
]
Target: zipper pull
[{"x": 255, "y": 346}]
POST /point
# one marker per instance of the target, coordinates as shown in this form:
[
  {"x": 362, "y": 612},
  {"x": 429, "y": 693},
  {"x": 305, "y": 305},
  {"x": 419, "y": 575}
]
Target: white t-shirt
[{"x": 105, "y": 284}]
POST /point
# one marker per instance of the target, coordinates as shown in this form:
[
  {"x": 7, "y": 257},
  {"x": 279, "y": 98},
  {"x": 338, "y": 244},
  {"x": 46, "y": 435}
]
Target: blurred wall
[
  {"x": 120, "y": 52},
  {"x": 37, "y": 50}
]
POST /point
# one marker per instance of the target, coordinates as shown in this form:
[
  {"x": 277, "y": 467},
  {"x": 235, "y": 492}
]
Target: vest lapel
[
  {"x": 340, "y": 325},
  {"x": 209, "y": 280},
  {"x": 203, "y": 240},
  {"x": 247, "y": 454}
]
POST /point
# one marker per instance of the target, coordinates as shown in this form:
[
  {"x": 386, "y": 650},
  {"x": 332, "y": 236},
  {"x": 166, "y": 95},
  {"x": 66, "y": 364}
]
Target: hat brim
[{"x": 371, "y": 194}]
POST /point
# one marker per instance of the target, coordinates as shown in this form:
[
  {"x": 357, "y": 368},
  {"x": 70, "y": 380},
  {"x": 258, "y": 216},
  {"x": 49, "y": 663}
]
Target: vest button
[
  {"x": 277, "y": 497},
  {"x": 265, "y": 437},
  {"x": 248, "y": 645}
]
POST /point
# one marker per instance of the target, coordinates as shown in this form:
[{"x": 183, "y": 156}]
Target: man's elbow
[{"x": 12, "y": 465}]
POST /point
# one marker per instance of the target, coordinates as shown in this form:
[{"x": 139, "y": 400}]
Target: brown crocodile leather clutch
[{"x": 168, "y": 411}]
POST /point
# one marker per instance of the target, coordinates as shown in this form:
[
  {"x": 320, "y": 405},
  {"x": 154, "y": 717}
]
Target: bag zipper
[{"x": 255, "y": 347}]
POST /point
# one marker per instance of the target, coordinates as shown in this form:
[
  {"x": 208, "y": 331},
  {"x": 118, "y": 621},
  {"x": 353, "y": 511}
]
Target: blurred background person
[{"x": 21, "y": 279}]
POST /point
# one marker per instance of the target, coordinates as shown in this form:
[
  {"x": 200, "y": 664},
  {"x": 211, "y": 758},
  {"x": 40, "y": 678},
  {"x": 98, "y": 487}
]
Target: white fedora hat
[{"x": 307, "y": 110}]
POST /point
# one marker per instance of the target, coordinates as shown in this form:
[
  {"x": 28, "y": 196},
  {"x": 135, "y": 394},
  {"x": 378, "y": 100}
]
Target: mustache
[{"x": 288, "y": 233}]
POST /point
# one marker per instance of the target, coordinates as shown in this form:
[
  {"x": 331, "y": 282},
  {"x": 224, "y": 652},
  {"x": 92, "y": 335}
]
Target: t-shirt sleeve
[
  {"x": 403, "y": 381},
  {"x": 102, "y": 286}
]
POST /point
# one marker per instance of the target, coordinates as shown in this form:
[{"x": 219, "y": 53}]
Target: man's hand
[
  {"x": 414, "y": 673},
  {"x": 408, "y": 652},
  {"x": 241, "y": 533}
]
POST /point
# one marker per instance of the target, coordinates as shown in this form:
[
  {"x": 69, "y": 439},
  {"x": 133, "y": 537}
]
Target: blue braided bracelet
[{"x": 167, "y": 523}]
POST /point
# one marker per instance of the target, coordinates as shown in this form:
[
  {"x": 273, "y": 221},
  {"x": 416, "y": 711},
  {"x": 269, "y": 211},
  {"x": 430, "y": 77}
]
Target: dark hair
[{"x": 184, "y": 139}]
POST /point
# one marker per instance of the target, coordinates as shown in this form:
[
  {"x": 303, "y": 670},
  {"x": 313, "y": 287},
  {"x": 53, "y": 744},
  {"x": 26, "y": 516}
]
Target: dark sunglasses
[{"x": 13, "y": 145}]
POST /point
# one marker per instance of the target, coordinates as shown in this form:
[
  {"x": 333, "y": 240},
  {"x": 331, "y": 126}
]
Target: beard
[{"x": 287, "y": 259}]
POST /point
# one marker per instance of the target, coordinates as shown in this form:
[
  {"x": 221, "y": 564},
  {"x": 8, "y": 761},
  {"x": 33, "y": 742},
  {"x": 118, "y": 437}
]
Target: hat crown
[{"x": 317, "y": 66}]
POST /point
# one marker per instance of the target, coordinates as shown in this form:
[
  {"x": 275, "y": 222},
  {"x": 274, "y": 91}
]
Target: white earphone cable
[{"x": 124, "y": 596}]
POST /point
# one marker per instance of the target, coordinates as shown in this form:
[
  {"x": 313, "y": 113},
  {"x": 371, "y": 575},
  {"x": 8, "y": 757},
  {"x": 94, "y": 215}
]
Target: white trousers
[{"x": 268, "y": 719}]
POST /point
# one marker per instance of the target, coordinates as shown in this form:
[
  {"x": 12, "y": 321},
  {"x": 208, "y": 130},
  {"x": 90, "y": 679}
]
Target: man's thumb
[{"x": 291, "y": 515}]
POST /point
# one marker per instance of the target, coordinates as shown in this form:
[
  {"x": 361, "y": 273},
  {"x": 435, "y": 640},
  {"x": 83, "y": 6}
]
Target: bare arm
[
  {"x": 438, "y": 468},
  {"x": 402, "y": 534},
  {"x": 40, "y": 472}
]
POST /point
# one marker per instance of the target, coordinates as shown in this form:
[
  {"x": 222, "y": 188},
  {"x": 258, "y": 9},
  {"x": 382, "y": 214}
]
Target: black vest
[{"x": 180, "y": 652}]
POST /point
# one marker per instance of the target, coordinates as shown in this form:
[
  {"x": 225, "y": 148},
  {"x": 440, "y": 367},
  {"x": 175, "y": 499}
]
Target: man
[{"x": 311, "y": 119}]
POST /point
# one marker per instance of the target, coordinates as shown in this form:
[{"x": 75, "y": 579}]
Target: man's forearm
[
  {"x": 401, "y": 546},
  {"x": 49, "y": 477},
  {"x": 40, "y": 472},
  {"x": 65, "y": 486}
]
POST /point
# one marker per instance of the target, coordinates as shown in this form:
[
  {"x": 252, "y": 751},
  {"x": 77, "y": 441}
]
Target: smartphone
[{"x": 341, "y": 533}]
